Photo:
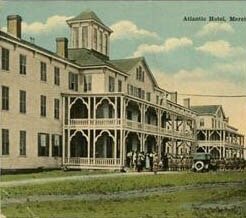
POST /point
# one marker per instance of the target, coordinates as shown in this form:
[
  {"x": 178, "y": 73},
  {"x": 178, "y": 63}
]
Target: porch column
[
  {"x": 121, "y": 130},
  {"x": 69, "y": 138},
  {"x": 115, "y": 145},
  {"x": 89, "y": 146},
  {"x": 63, "y": 129}
]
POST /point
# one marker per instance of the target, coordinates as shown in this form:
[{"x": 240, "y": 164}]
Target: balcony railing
[
  {"x": 218, "y": 143},
  {"x": 78, "y": 161},
  {"x": 130, "y": 124}
]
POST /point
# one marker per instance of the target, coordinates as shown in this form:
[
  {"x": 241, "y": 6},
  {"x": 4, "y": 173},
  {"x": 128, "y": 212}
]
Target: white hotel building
[{"x": 79, "y": 108}]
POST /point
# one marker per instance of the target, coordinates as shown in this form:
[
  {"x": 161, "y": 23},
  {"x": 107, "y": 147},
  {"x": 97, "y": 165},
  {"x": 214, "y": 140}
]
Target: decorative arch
[
  {"x": 110, "y": 108},
  {"x": 79, "y": 109},
  {"x": 133, "y": 141},
  {"x": 78, "y": 145}
]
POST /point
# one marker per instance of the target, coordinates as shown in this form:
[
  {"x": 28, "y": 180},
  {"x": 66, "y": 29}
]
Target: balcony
[{"x": 129, "y": 124}]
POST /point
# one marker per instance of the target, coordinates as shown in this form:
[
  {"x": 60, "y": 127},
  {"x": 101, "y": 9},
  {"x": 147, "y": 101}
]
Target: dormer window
[
  {"x": 140, "y": 74},
  {"x": 76, "y": 37}
]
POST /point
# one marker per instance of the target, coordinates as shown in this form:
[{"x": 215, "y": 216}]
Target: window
[
  {"x": 139, "y": 93},
  {"x": 43, "y": 144},
  {"x": 148, "y": 96},
  {"x": 76, "y": 37},
  {"x": 22, "y": 101},
  {"x": 5, "y": 141},
  {"x": 5, "y": 98},
  {"x": 143, "y": 94},
  {"x": 57, "y": 76},
  {"x": 101, "y": 41},
  {"x": 95, "y": 39},
  {"x": 202, "y": 122},
  {"x": 73, "y": 81},
  {"x": 119, "y": 86},
  {"x": 43, "y": 71},
  {"x": 87, "y": 83},
  {"x": 22, "y": 142},
  {"x": 5, "y": 59},
  {"x": 105, "y": 44},
  {"x": 43, "y": 106},
  {"x": 111, "y": 84},
  {"x": 56, "y": 108},
  {"x": 22, "y": 64},
  {"x": 157, "y": 99},
  {"x": 84, "y": 36},
  {"x": 140, "y": 74},
  {"x": 56, "y": 145}
]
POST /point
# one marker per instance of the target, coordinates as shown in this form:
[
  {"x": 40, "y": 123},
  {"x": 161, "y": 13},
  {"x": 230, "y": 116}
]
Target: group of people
[{"x": 148, "y": 161}]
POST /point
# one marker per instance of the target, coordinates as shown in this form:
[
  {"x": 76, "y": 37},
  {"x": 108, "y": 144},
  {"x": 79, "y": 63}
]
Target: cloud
[
  {"x": 127, "y": 29},
  {"x": 52, "y": 23},
  {"x": 169, "y": 45},
  {"x": 200, "y": 81},
  {"x": 214, "y": 28},
  {"x": 220, "y": 49}
]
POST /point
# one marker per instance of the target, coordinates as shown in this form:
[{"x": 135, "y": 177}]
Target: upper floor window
[
  {"x": 43, "y": 144},
  {"x": 111, "y": 84},
  {"x": 22, "y": 64},
  {"x": 76, "y": 37},
  {"x": 101, "y": 41},
  {"x": 57, "y": 76},
  {"x": 56, "y": 145},
  {"x": 87, "y": 83},
  {"x": 119, "y": 86},
  {"x": 201, "y": 122},
  {"x": 56, "y": 108},
  {"x": 22, "y": 101},
  {"x": 43, "y": 71},
  {"x": 5, "y": 59},
  {"x": 43, "y": 106},
  {"x": 5, "y": 141},
  {"x": 105, "y": 44},
  {"x": 84, "y": 36},
  {"x": 157, "y": 99},
  {"x": 148, "y": 96},
  {"x": 22, "y": 142},
  {"x": 5, "y": 98},
  {"x": 140, "y": 74},
  {"x": 73, "y": 81},
  {"x": 95, "y": 39}
]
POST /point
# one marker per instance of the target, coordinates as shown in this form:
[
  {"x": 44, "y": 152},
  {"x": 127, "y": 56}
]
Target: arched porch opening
[
  {"x": 201, "y": 136},
  {"x": 200, "y": 149},
  {"x": 105, "y": 110},
  {"x": 105, "y": 146},
  {"x": 215, "y": 136},
  {"x": 151, "y": 116},
  {"x": 78, "y": 110},
  {"x": 215, "y": 153},
  {"x": 132, "y": 142},
  {"x": 79, "y": 145},
  {"x": 150, "y": 144},
  {"x": 133, "y": 112}
]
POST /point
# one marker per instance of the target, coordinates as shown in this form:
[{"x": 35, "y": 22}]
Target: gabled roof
[
  {"x": 89, "y": 57},
  {"x": 206, "y": 109},
  {"x": 127, "y": 64}
]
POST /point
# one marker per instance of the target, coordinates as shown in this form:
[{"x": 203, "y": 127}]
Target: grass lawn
[
  {"x": 226, "y": 201},
  {"x": 116, "y": 184},
  {"x": 52, "y": 173},
  {"x": 185, "y": 204}
]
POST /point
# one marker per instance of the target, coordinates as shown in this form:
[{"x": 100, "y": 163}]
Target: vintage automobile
[{"x": 201, "y": 162}]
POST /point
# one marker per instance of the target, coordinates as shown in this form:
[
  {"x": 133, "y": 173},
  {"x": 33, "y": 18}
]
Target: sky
[{"x": 191, "y": 57}]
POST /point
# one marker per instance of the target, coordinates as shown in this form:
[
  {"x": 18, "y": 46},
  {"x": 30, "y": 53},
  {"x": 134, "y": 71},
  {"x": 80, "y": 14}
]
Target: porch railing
[
  {"x": 78, "y": 161},
  {"x": 94, "y": 122}
]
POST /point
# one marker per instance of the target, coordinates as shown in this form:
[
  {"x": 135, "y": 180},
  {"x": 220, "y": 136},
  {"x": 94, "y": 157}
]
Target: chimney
[
  {"x": 174, "y": 96},
  {"x": 186, "y": 102},
  {"x": 14, "y": 25},
  {"x": 62, "y": 47}
]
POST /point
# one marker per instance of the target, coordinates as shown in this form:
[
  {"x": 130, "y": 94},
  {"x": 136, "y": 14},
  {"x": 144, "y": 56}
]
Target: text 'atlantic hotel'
[{"x": 79, "y": 108}]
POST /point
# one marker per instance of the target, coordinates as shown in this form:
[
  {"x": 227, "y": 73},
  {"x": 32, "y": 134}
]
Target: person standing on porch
[
  {"x": 155, "y": 164},
  {"x": 147, "y": 161},
  {"x": 134, "y": 159},
  {"x": 151, "y": 161}
]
